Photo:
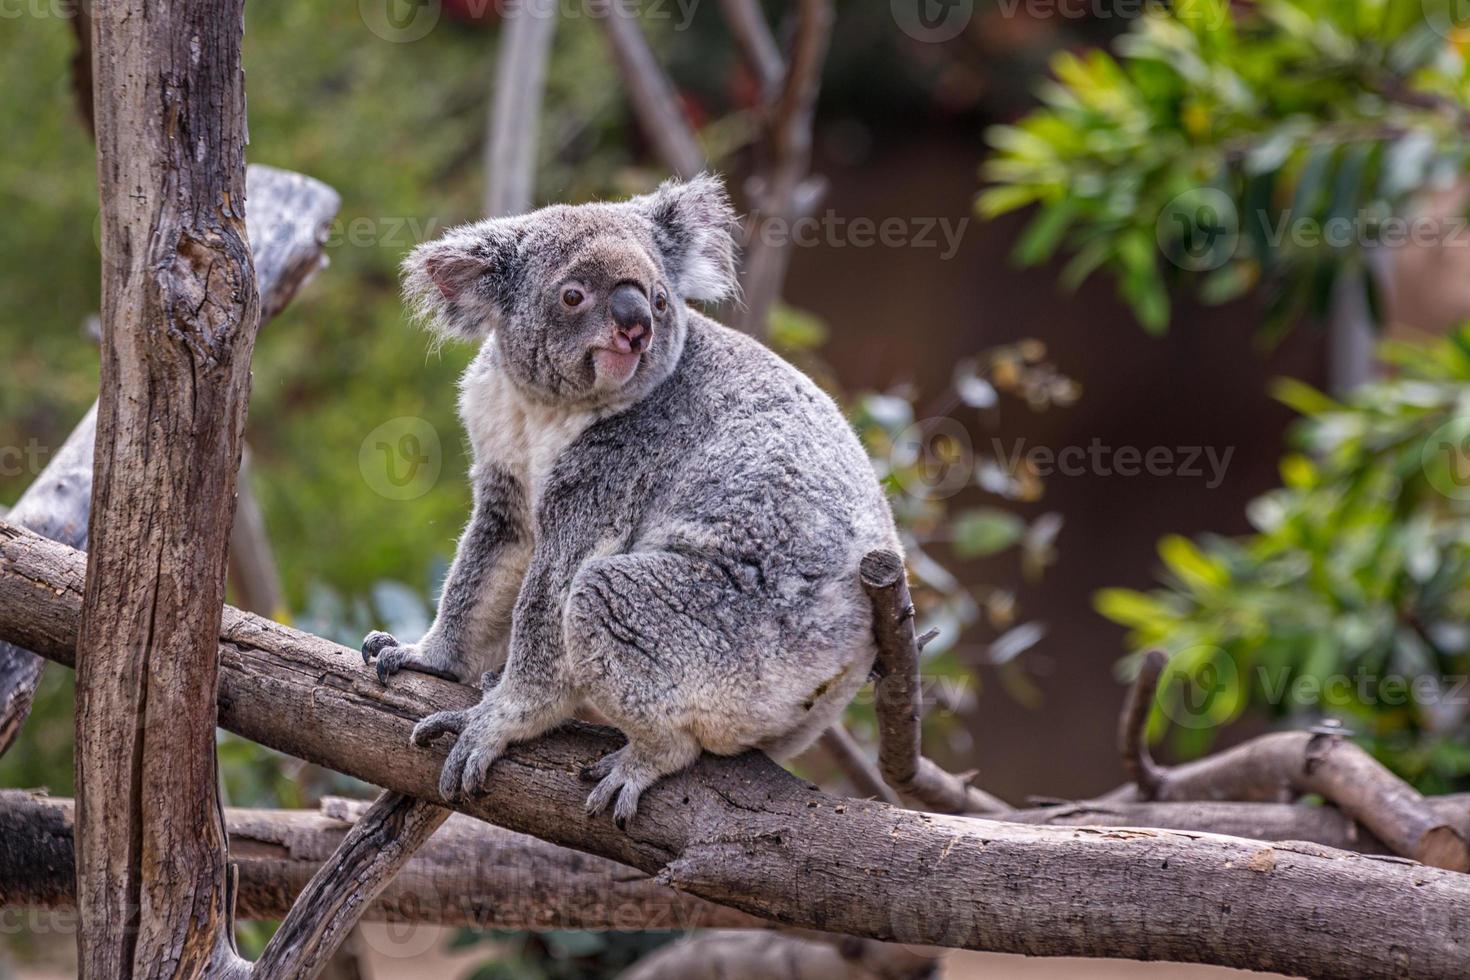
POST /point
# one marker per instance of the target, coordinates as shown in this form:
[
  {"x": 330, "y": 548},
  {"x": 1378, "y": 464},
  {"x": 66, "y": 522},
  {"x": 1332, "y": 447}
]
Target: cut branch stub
[{"x": 898, "y": 697}]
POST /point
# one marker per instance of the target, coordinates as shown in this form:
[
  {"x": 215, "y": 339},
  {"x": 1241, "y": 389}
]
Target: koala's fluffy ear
[
  {"x": 458, "y": 285},
  {"x": 694, "y": 225}
]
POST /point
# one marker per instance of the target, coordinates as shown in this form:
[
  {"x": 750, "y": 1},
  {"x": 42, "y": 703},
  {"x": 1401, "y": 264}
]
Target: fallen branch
[
  {"x": 1288, "y": 765},
  {"x": 744, "y": 833},
  {"x": 468, "y": 874}
]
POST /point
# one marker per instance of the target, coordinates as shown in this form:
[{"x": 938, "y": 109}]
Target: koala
[{"x": 668, "y": 518}]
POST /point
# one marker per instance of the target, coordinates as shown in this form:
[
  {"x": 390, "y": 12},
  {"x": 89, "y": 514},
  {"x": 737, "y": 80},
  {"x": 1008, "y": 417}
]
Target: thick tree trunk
[
  {"x": 744, "y": 833},
  {"x": 180, "y": 312}
]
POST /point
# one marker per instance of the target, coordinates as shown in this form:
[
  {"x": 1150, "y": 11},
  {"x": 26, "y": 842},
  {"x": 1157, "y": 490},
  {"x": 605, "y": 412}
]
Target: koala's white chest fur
[{"x": 520, "y": 435}]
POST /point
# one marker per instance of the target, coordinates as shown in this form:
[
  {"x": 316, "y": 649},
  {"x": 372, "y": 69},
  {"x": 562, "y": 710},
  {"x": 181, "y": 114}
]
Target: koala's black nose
[{"x": 631, "y": 313}]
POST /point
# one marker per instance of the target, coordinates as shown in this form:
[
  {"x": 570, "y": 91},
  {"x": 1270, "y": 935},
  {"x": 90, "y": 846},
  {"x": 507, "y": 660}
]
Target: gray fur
[{"x": 679, "y": 551}]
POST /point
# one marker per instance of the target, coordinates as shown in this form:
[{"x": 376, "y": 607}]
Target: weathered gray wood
[
  {"x": 288, "y": 216},
  {"x": 515, "y": 115},
  {"x": 468, "y": 874},
  {"x": 744, "y": 833},
  {"x": 255, "y": 582},
  {"x": 54, "y": 505},
  {"x": 180, "y": 311}
]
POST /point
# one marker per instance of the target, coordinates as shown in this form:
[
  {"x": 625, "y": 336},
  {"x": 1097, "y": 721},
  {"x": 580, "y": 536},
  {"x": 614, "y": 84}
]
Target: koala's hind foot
[
  {"x": 391, "y": 657},
  {"x": 628, "y": 771},
  {"x": 503, "y": 716}
]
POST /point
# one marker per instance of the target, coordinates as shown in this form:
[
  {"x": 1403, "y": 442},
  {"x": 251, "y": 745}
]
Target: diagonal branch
[
  {"x": 753, "y": 34},
  {"x": 784, "y": 191},
  {"x": 818, "y": 861},
  {"x": 655, "y": 101},
  {"x": 379, "y": 844}
]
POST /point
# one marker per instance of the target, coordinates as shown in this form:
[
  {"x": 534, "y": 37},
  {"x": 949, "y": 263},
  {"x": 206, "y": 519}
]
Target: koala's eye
[
  {"x": 660, "y": 302},
  {"x": 572, "y": 297}
]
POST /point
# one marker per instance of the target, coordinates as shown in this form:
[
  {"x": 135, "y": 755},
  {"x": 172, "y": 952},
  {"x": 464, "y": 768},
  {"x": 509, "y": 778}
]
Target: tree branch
[
  {"x": 515, "y": 118},
  {"x": 753, "y": 34},
  {"x": 468, "y": 873},
  {"x": 655, "y": 101},
  {"x": 1285, "y": 766},
  {"x": 379, "y": 844},
  {"x": 784, "y": 191},
  {"x": 900, "y": 702},
  {"x": 819, "y": 861},
  {"x": 850, "y": 757}
]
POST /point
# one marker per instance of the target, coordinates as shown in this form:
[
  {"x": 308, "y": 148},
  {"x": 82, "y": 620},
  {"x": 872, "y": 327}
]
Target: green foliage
[
  {"x": 1351, "y": 597},
  {"x": 1233, "y": 145}
]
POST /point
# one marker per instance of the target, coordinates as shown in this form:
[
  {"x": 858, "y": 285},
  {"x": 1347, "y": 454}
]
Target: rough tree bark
[
  {"x": 823, "y": 862},
  {"x": 180, "y": 311},
  {"x": 899, "y": 700}
]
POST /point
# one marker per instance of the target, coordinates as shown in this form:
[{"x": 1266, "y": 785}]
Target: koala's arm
[{"x": 469, "y": 606}]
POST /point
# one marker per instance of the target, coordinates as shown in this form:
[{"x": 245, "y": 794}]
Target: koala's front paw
[
  {"x": 393, "y": 656},
  {"x": 481, "y": 741}
]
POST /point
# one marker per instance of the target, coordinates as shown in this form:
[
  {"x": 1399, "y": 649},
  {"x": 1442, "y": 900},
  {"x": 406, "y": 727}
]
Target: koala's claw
[
  {"x": 438, "y": 724},
  {"x": 595, "y": 772},
  {"x": 393, "y": 656},
  {"x": 618, "y": 779},
  {"x": 375, "y": 643}
]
